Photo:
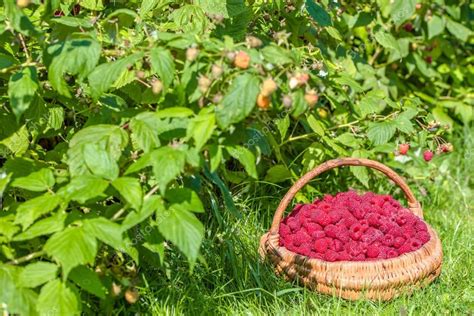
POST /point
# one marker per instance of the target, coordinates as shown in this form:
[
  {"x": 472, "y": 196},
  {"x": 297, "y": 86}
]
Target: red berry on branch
[
  {"x": 428, "y": 155},
  {"x": 403, "y": 149}
]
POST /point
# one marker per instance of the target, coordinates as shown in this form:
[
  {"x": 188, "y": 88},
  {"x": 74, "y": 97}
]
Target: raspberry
[
  {"x": 428, "y": 154},
  {"x": 373, "y": 251},
  {"x": 399, "y": 241},
  {"x": 371, "y": 235},
  {"x": 284, "y": 230},
  {"x": 305, "y": 250},
  {"x": 342, "y": 233},
  {"x": 392, "y": 253},
  {"x": 359, "y": 257},
  {"x": 324, "y": 206},
  {"x": 388, "y": 240},
  {"x": 336, "y": 216},
  {"x": 423, "y": 236},
  {"x": 318, "y": 234},
  {"x": 294, "y": 224},
  {"x": 396, "y": 231},
  {"x": 321, "y": 245},
  {"x": 296, "y": 210},
  {"x": 331, "y": 256},
  {"x": 344, "y": 256},
  {"x": 408, "y": 231},
  {"x": 405, "y": 218},
  {"x": 420, "y": 226},
  {"x": 331, "y": 231},
  {"x": 337, "y": 245},
  {"x": 349, "y": 221},
  {"x": 415, "y": 244},
  {"x": 311, "y": 227},
  {"x": 406, "y": 247},
  {"x": 374, "y": 219},
  {"x": 403, "y": 149},
  {"x": 321, "y": 217}
]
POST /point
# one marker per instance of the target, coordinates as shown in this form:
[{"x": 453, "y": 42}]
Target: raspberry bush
[{"x": 124, "y": 123}]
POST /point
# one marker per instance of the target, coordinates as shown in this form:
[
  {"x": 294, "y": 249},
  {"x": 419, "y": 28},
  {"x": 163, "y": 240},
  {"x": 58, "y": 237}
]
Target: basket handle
[{"x": 331, "y": 164}]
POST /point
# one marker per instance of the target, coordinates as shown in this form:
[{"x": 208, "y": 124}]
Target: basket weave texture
[{"x": 353, "y": 280}]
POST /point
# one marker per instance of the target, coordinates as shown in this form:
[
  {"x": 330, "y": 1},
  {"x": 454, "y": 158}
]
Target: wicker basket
[{"x": 373, "y": 280}]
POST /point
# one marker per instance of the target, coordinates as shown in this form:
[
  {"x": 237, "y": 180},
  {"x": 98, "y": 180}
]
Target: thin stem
[
  {"x": 27, "y": 257},
  {"x": 25, "y": 49},
  {"x": 122, "y": 210}
]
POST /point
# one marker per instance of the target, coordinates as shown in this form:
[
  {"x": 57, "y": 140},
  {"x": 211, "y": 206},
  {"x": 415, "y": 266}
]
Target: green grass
[{"x": 233, "y": 281}]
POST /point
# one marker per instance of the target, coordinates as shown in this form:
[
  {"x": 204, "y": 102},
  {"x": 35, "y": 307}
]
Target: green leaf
[
  {"x": 42, "y": 227},
  {"x": 435, "y": 26},
  {"x": 185, "y": 199},
  {"x": 283, "y": 124},
  {"x": 130, "y": 189},
  {"x": 167, "y": 163},
  {"x": 111, "y": 138},
  {"x": 106, "y": 231},
  {"x": 215, "y": 151},
  {"x": 88, "y": 280},
  {"x": 145, "y": 127},
  {"x": 150, "y": 205},
  {"x": 176, "y": 111},
  {"x": 22, "y": 89},
  {"x": 318, "y": 13},
  {"x": 105, "y": 75},
  {"x": 74, "y": 57},
  {"x": 386, "y": 40},
  {"x": 361, "y": 173},
  {"x": 19, "y": 301},
  {"x": 226, "y": 195},
  {"x": 71, "y": 247},
  {"x": 402, "y": 10},
  {"x": 278, "y": 173},
  {"x": 334, "y": 33},
  {"x": 316, "y": 125},
  {"x": 349, "y": 140},
  {"x": 38, "y": 181},
  {"x": 18, "y": 20},
  {"x": 246, "y": 158},
  {"x": 457, "y": 29},
  {"x": 299, "y": 104},
  {"x": 380, "y": 133},
  {"x": 184, "y": 230},
  {"x": 56, "y": 297},
  {"x": 18, "y": 141},
  {"x": 83, "y": 188},
  {"x": 403, "y": 124},
  {"x": 162, "y": 64},
  {"x": 201, "y": 127},
  {"x": 32, "y": 209},
  {"x": 239, "y": 101},
  {"x": 37, "y": 273},
  {"x": 276, "y": 55},
  {"x": 372, "y": 102},
  {"x": 99, "y": 161}
]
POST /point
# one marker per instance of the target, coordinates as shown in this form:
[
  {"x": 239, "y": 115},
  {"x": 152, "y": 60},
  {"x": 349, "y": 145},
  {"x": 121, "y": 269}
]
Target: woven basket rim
[{"x": 315, "y": 261}]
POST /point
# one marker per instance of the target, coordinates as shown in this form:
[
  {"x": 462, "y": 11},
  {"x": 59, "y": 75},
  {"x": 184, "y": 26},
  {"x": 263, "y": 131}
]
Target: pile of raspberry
[{"x": 352, "y": 227}]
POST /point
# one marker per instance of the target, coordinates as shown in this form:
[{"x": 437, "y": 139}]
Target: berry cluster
[{"x": 352, "y": 227}]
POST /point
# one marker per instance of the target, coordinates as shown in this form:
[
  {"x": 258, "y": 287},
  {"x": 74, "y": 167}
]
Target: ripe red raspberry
[
  {"x": 324, "y": 206},
  {"x": 373, "y": 251},
  {"x": 311, "y": 227},
  {"x": 284, "y": 230},
  {"x": 374, "y": 219},
  {"x": 399, "y": 241},
  {"x": 396, "y": 231},
  {"x": 294, "y": 224},
  {"x": 388, "y": 240},
  {"x": 408, "y": 27},
  {"x": 406, "y": 247},
  {"x": 428, "y": 155},
  {"x": 420, "y": 226},
  {"x": 423, "y": 236},
  {"x": 321, "y": 217},
  {"x": 331, "y": 256},
  {"x": 318, "y": 234},
  {"x": 356, "y": 231},
  {"x": 359, "y": 257},
  {"x": 321, "y": 245},
  {"x": 342, "y": 233},
  {"x": 405, "y": 218},
  {"x": 408, "y": 231},
  {"x": 331, "y": 231},
  {"x": 403, "y": 149},
  {"x": 344, "y": 256},
  {"x": 371, "y": 235},
  {"x": 335, "y": 216},
  {"x": 305, "y": 250},
  {"x": 348, "y": 221},
  {"x": 392, "y": 253},
  {"x": 337, "y": 245},
  {"x": 415, "y": 244}
]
